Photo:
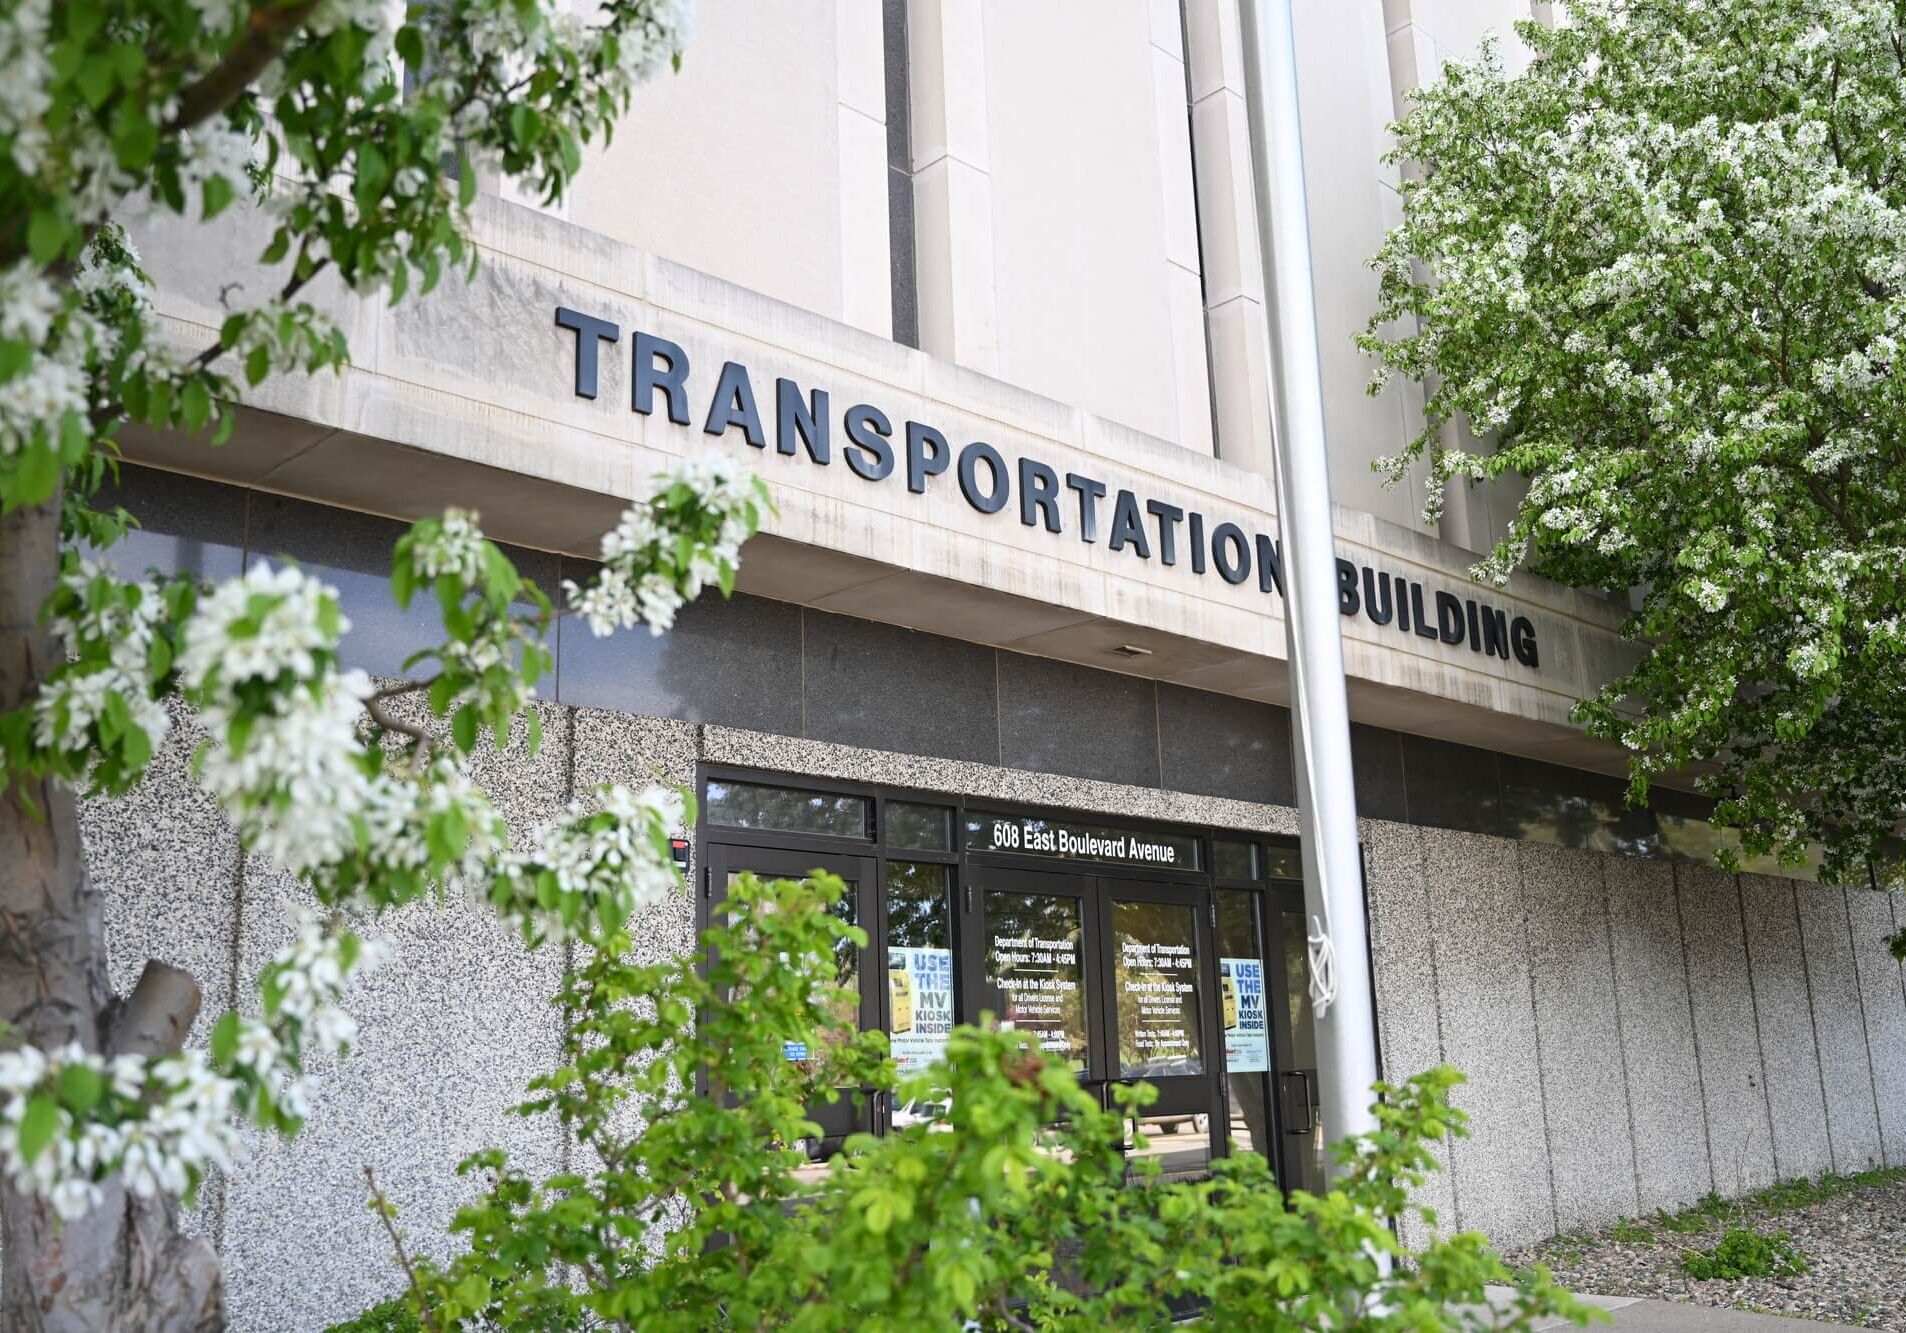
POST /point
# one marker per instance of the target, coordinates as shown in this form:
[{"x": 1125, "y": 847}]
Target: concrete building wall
[
  {"x": 763, "y": 161},
  {"x": 1553, "y": 977},
  {"x": 1056, "y": 225}
]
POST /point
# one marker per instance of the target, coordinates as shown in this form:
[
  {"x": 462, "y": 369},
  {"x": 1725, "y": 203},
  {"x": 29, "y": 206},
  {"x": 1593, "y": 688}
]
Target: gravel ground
[{"x": 1854, "y": 1244}]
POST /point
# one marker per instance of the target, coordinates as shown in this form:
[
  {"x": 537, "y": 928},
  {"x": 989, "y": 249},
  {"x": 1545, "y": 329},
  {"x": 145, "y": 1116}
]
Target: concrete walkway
[{"x": 1634, "y": 1315}]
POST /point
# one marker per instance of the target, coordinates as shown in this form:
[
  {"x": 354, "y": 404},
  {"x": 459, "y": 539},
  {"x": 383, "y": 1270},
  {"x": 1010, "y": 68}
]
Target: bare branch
[
  {"x": 382, "y": 1207},
  {"x": 382, "y": 717},
  {"x": 156, "y": 1016}
]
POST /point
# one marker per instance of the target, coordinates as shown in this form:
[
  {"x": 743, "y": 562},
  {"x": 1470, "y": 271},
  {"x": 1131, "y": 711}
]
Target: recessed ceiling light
[{"x": 1132, "y": 650}]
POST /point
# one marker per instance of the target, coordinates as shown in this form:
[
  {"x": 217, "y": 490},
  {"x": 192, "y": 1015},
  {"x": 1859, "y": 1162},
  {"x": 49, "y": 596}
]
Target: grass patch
[
  {"x": 1744, "y": 1253},
  {"x": 1631, "y": 1232},
  {"x": 1704, "y": 1215},
  {"x": 1789, "y": 1195}
]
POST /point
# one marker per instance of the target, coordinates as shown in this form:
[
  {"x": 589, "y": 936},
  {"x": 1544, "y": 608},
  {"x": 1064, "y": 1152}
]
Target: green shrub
[
  {"x": 393, "y": 1316},
  {"x": 1017, "y": 1209},
  {"x": 1744, "y": 1253}
]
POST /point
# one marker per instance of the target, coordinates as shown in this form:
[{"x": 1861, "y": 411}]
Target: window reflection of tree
[
  {"x": 1154, "y": 924},
  {"x": 1039, "y": 916},
  {"x": 1239, "y": 936},
  {"x": 917, "y": 908},
  {"x": 749, "y": 805}
]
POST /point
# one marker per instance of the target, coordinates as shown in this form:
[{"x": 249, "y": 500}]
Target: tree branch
[
  {"x": 267, "y": 29},
  {"x": 154, "y": 1019},
  {"x": 382, "y": 1207},
  {"x": 381, "y": 716}
]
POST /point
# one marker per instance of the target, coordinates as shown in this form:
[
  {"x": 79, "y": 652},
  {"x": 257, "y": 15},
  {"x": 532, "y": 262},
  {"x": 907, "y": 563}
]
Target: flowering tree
[
  {"x": 362, "y": 128},
  {"x": 1663, "y": 274}
]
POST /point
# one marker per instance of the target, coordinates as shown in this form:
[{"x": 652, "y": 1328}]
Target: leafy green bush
[
  {"x": 1744, "y": 1253},
  {"x": 693, "y": 1207},
  {"x": 392, "y": 1316}
]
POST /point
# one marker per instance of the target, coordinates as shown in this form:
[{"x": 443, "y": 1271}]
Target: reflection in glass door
[
  {"x": 1031, "y": 962},
  {"x": 1162, "y": 1015},
  {"x": 1244, "y": 1003},
  {"x": 854, "y": 1111},
  {"x": 1304, "y": 1147}
]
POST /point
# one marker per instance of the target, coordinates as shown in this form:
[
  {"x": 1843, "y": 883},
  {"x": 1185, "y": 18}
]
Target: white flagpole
[{"x": 1327, "y": 812}]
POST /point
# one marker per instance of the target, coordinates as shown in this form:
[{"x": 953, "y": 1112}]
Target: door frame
[{"x": 857, "y": 1109}]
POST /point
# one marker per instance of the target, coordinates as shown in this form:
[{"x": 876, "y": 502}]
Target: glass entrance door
[
  {"x": 1155, "y": 971},
  {"x": 854, "y": 1111},
  {"x": 1303, "y": 1146},
  {"x": 1026, "y": 963}
]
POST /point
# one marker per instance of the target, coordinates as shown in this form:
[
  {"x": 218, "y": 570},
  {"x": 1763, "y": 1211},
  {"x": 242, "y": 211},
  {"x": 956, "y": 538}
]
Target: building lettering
[{"x": 1142, "y": 527}]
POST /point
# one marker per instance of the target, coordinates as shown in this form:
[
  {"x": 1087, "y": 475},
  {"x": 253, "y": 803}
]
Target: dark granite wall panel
[
  {"x": 1217, "y": 745},
  {"x": 888, "y": 688},
  {"x": 1454, "y": 787},
  {"x": 1056, "y": 717},
  {"x": 736, "y": 662},
  {"x": 185, "y": 525}
]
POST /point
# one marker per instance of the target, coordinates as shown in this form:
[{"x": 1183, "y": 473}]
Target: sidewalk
[{"x": 1634, "y": 1315}]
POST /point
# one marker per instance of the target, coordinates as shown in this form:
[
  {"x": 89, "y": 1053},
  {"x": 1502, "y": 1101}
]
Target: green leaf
[
  {"x": 463, "y": 728},
  {"x": 442, "y": 690},
  {"x": 195, "y": 403},
  {"x": 38, "y": 1125},
  {"x": 217, "y": 193},
  {"x": 373, "y": 171},
  {"x": 96, "y": 79},
  {"x": 134, "y": 137},
  {"x": 14, "y": 357},
  {"x": 46, "y": 235},
  {"x": 35, "y": 475},
  {"x": 403, "y": 578},
  {"x": 80, "y": 1088},
  {"x": 257, "y": 364}
]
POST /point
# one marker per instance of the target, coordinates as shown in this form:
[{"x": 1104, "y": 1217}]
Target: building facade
[{"x": 975, "y": 287}]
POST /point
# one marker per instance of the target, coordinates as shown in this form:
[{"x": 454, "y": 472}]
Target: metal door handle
[{"x": 1310, "y": 1103}]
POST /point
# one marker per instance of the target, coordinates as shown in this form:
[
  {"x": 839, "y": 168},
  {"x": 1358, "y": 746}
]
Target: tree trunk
[{"x": 126, "y": 1265}]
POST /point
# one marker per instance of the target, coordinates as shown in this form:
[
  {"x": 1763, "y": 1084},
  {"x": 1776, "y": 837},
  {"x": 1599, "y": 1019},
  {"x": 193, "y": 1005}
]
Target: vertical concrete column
[
  {"x": 952, "y": 183},
  {"x": 1183, "y": 270},
  {"x": 1232, "y": 274},
  {"x": 865, "y": 250}
]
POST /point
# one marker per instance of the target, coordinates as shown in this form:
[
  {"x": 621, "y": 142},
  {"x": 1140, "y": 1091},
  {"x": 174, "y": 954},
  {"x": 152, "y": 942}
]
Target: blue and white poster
[
  {"x": 920, "y": 1005},
  {"x": 1247, "y": 1023}
]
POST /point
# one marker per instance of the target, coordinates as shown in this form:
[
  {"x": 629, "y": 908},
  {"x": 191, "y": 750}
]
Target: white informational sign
[
  {"x": 1247, "y": 1020},
  {"x": 920, "y": 1001}
]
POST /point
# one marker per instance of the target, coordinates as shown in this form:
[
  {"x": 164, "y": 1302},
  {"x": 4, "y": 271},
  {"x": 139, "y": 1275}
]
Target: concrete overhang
[{"x": 467, "y": 397}]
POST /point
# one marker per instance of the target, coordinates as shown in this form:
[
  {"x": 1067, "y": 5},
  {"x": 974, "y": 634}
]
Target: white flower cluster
[
  {"x": 609, "y": 857},
  {"x": 455, "y": 549},
  {"x": 639, "y": 582},
  {"x": 54, "y": 380},
  {"x": 296, "y": 775},
  {"x": 112, "y": 638},
  {"x": 25, "y": 70},
  {"x": 302, "y": 987},
  {"x": 164, "y": 1124},
  {"x": 291, "y": 774}
]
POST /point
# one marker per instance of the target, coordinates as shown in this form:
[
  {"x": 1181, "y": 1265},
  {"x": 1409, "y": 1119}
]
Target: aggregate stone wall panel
[
  {"x": 1668, "y": 1117},
  {"x": 1783, "y": 1008},
  {"x": 1584, "y": 1088},
  {"x": 634, "y": 751},
  {"x": 1883, "y": 1007},
  {"x": 164, "y": 861},
  {"x": 451, "y": 1029},
  {"x": 1501, "y": 1173},
  {"x": 1402, "y": 955},
  {"x": 1727, "y": 1041},
  {"x": 1839, "y": 1028}
]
